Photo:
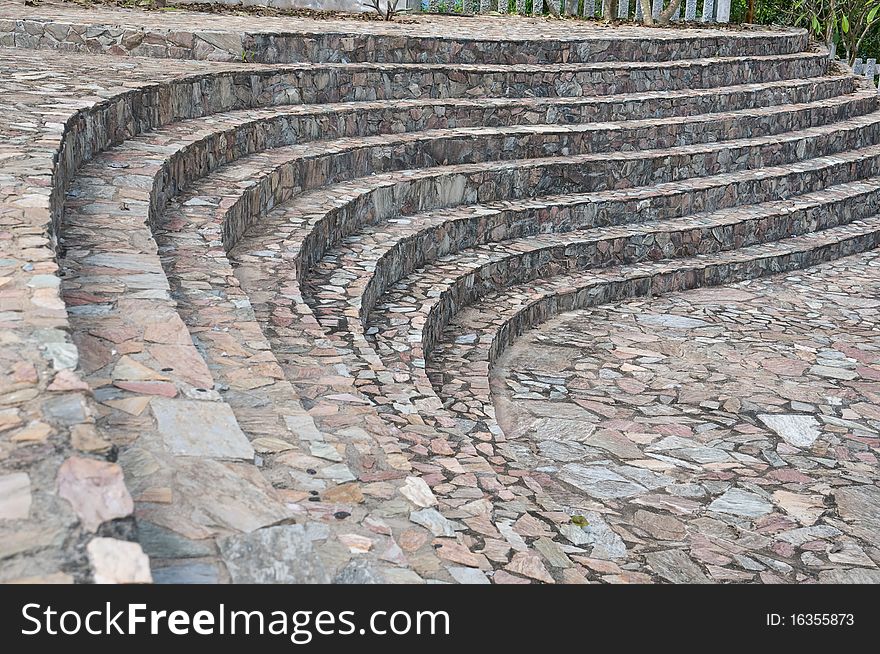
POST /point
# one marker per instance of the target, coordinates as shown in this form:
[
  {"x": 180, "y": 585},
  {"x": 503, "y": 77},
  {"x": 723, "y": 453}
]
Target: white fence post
[
  {"x": 690, "y": 10},
  {"x": 656, "y": 8},
  {"x": 623, "y": 9},
  {"x": 708, "y": 10},
  {"x": 723, "y": 15}
]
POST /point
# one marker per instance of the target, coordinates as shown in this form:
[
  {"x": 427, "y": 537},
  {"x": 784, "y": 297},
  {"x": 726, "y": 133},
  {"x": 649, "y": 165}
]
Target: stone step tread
[
  {"x": 442, "y": 28},
  {"x": 136, "y": 353},
  {"x": 133, "y": 166}
]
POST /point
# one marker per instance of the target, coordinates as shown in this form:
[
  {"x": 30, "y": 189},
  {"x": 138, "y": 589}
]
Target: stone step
[
  {"x": 367, "y": 263},
  {"x": 416, "y": 310},
  {"x": 148, "y": 278},
  {"x": 325, "y": 216},
  {"x": 128, "y": 188},
  {"x": 260, "y": 40},
  {"x": 284, "y": 48},
  {"x": 260, "y": 86},
  {"x": 477, "y": 335},
  {"x": 189, "y": 149},
  {"x": 196, "y": 146},
  {"x": 222, "y": 321}
]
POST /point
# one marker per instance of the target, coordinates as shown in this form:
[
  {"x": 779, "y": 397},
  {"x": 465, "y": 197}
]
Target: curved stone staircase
[{"x": 287, "y": 283}]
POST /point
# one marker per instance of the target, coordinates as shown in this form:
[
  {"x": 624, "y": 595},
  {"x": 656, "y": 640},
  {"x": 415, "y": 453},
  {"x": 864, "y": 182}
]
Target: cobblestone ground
[{"x": 724, "y": 434}]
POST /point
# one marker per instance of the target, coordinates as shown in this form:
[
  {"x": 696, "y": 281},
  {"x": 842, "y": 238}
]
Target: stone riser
[{"x": 287, "y": 48}]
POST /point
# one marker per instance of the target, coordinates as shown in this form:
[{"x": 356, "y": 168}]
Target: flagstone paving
[{"x": 723, "y": 434}]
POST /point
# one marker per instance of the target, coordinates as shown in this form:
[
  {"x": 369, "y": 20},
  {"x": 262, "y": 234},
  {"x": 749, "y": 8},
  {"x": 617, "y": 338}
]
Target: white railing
[
  {"x": 867, "y": 69},
  {"x": 704, "y": 11}
]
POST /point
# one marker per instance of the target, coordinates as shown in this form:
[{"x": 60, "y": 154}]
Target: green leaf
[
  {"x": 816, "y": 27},
  {"x": 873, "y": 13},
  {"x": 844, "y": 24},
  {"x": 579, "y": 520}
]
